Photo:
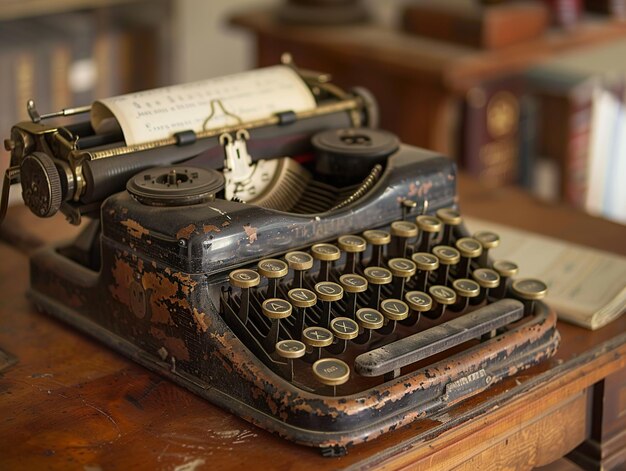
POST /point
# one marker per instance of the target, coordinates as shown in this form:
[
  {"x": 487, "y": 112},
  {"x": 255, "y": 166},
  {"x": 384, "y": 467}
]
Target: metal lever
[
  {"x": 36, "y": 117},
  {"x": 392, "y": 357},
  {"x": 11, "y": 176}
]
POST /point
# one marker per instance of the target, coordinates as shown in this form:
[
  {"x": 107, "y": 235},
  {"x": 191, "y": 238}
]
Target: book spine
[
  {"x": 528, "y": 125},
  {"x": 491, "y": 132},
  {"x": 565, "y": 13},
  {"x": 577, "y": 156}
]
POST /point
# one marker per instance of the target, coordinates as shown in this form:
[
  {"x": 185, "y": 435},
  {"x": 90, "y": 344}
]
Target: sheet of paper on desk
[{"x": 586, "y": 287}]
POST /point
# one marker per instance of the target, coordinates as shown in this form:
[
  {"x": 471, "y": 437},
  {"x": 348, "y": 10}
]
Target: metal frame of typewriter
[
  {"x": 137, "y": 289},
  {"x": 154, "y": 288}
]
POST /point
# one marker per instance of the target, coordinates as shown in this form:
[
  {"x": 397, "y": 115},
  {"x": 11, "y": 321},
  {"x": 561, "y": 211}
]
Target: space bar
[{"x": 418, "y": 346}]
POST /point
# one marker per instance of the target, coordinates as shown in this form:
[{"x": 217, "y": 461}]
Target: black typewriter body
[
  {"x": 344, "y": 302},
  {"x": 162, "y": 297}
]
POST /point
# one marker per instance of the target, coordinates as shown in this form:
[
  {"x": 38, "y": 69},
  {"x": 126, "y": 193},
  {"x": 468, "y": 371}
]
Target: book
[
  {"x": 586, "y": 287},
  {"x": 490, "y": 131},
  {"x": 474, "y": 24}
]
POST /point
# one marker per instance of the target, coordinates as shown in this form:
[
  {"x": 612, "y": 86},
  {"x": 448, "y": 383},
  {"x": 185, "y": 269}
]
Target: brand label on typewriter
[{"x": 466, "y": 385}]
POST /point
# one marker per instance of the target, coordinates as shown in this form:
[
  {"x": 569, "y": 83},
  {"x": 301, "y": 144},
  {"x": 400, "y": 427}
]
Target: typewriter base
[{"x": 81, "y": 298}]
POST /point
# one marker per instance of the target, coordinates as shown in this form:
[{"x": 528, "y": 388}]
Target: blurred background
[{"x": 529, "y": 93}]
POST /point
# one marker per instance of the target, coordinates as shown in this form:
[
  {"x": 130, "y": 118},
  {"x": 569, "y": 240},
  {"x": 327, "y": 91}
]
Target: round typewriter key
[
  {"x": 331, "y": 371},
  {"x": 530, "y": 289},
  {"x": 402, "y": 270},
  {"x": 442, "y": 294},
  {"x": 419, "y": 301},
  {"x": 301, "y": 297},
  {"x": 394, "y": 309},
  {"x": 351, "y": 243},
  {"x": 290, "y": 349},
  {"x": 447, "y": 255},
  {"x": 486, "y": 277},
  {"x": 425, "y": 261},
  {"x": 469, "y": 247},
  {"x": 344, "y": 328},
  {"x": 429, "y": 224},
  {"x": 244, "y": 278},
  {"x": 404, "y": 229},
  {"x": 275, "y": 308},
  {"x": 449, "y": 216},
  {"x": 377, "y": 239},
  {"x": 505, "y": 268},
  {"x": 325, "y": 252},
  {"x": 328, "y": 291},
  {"x": 317, "y": 337},
  {"x": 300, "y": 261},
  {"x": 369, "y": 318},
  {"x": 466, "y": 288},
  {"x": 451, "y": 219},
  {"x": 378, "y": 275},
  {"x": 273, "y": 268},
  {"x": 488, "y": 239},
  {"x": 353, "y": 283},
  {"x": 402, "y": 267}
]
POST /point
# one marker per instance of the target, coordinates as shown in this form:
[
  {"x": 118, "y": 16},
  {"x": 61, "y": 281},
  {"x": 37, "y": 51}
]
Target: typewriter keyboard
[{"x": 344, "y": 316}]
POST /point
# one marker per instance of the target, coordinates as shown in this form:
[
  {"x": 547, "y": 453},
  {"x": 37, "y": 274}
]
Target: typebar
[{"x": 403, "y": 352}]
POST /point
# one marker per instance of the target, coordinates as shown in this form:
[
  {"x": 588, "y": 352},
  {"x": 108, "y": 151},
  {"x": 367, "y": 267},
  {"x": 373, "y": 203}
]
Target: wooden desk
[{"x": 69, "y": 403}]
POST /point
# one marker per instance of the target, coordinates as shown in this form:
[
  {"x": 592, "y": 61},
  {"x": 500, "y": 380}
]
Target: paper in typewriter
[
  {"x": 158, "y": 114},
  {"x": 586, "y": 287}
]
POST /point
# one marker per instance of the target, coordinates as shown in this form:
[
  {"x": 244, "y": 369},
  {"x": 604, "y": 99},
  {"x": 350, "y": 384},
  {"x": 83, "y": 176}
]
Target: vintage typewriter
[{"x": 299, "y": 268}]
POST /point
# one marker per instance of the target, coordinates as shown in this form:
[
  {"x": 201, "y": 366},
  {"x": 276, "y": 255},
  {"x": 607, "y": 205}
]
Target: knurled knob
[{"x": 41, "y": 184}]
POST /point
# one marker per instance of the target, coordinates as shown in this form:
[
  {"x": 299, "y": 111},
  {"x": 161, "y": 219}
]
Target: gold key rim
[
  {"x": 342, "y": 334},
  {"x": 311, "y": 298},
  {"x": 325, "y": 252},
  {"x": 505, "y": 268},
  {"x": 295, "y": 260},
  {"x": 406, "y": 270},
  {"x": 466, "y": 287},
  {"x": 312, "y": 341},
  {"x": 404, "y": 229},
  {"x": 418, "y": 306},
  {"x": 373, "y": 322},
  {"x": 377, "y": 237},
  {"x": 394, "y": 314},
  {"x": 270, "y": 311},
  {"x": 328, "y": 291},
  {"x": 351, "y": 288},
  {"x": 530, "y": 289},
  {"x": 352, "y": 243},
  {"x": 428, "y": 223},
  {"x": 432, "y": 262},
  {"x": 378, "y": 275},
  {"x": 469, "y": 247},
  {"x": 291, "y": 353},
  {"x": 437, "y": 293},
  {"x": 320, "y": 368},
  {"x": 449, "y": 216},
  {"x": 244, "y": 278},
  {"x": 486, "y": 277},
  {"x": 272, "y": 268},
  {"x": 488, "y": 239},
  {"x": 447, "y": 255}
]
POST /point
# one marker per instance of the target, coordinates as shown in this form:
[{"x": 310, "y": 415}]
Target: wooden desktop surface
[{"x": 70, "y": 403}]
